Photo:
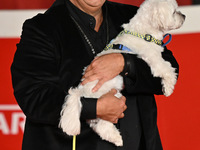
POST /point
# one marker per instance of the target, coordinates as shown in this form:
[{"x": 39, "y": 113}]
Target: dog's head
[
  {"x": 157, "y": 15},
  {"x": 163, "y": 14}
]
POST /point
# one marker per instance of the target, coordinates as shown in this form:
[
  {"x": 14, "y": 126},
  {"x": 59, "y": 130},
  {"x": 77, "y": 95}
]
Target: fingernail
[{"x": 93, "y": 90}]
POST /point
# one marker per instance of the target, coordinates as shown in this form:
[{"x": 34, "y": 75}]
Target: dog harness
[{"x": 146, "y": 37}]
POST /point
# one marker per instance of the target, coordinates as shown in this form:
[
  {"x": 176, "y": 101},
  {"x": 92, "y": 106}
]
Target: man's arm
[
  {"x": 138, "y": 78},
  {"x": 36, "y": 83},
  {"x": 37, "y": 86}
]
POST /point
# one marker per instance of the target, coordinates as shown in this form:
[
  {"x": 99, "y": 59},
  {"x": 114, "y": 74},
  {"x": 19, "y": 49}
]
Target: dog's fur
[{"x": 154, "y": 17}]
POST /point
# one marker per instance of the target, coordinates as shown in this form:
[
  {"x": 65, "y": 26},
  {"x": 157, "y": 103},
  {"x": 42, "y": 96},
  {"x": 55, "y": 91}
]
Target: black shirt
[
  {"x": 100, "y": 39},
  {"x": 87, "y": 23}
]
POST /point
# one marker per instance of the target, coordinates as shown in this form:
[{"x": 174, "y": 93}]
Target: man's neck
[
  {"x": 96, "y": 12},
  {"x": 99, "y": 20}
]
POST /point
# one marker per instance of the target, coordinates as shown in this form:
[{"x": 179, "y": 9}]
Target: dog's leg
[
  {"x": 161, "y": 68},
  {"x": 70, "y": 114},
  {"x": 164, "y": 70},
  {"x": 169, "y": 80},
  {"x": 107, "y": 131}
]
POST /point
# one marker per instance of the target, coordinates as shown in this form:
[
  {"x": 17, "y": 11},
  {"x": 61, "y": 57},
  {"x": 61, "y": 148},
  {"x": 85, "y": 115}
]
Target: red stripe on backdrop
[
  {"x": 178, "y": 115},
  {"x": 8, "y": 47},
  {"x": 41, "y": 4},
  {"x": 11, "y": 133},
  {"x": 25, "y": 4},
  {"x": 138, "y": 2},
  {"x": 11, "y": 121}
]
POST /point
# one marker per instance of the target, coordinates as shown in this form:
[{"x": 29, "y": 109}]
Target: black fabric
[
  {"x": 129, "y": 69},
  {"x": 89, "y": 108},
  {"x": 87, "y": 23},
  {"x": 50, "y": 59}
]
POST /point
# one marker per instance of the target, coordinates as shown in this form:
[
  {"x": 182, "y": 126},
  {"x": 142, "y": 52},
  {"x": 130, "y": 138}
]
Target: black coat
[{"x": 50, "y": 59}]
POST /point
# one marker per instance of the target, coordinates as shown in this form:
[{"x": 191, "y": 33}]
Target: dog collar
[{"x": 146, "y": 37}]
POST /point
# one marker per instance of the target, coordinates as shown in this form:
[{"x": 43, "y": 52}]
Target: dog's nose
[{"x": 183, "y": 16}]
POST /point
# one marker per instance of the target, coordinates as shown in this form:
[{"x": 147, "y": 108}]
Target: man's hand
[
  {"x": 104, "y": 68},
  {"x": 111, "y": 108}
]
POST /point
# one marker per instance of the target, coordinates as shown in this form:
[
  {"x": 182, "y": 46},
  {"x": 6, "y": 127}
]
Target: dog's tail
[{"x": 70, "y": 114}]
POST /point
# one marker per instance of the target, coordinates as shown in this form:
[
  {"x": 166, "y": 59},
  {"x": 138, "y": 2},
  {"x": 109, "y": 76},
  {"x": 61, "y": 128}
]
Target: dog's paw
[
  {"x": 118, "y": 141},
  {"x": 168, "y": 83},
  {"x": 69, "y": 122},
  {"x": 107, "y": 131},
  {"x": 115, "y": 137},
  {"x": 70, "y": 114},
  {"x": 71, "y": 127}
]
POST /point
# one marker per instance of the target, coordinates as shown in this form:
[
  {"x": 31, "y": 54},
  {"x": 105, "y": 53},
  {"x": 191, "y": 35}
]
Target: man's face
[
  {"x": 94, "y": 3},
  {"x": 88, "y": 5}
]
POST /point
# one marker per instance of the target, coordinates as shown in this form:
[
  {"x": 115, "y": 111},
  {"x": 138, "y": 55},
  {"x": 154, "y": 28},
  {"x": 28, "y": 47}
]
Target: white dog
[{"x": 142, "y": 36}]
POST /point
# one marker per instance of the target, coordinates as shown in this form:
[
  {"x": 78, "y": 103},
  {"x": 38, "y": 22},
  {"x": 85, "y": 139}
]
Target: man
[{"x": 53, "y": 50}]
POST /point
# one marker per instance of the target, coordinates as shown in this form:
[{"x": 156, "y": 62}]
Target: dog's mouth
[
  {"x": 179, "y": 20},
  {"x": 183, "y": 16}
]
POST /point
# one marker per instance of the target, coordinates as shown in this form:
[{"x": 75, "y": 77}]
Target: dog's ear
[
  {"x": 156, "y": 16},
  {"x": 162, "y": 15},
  {"x": 165, "y": 17}
]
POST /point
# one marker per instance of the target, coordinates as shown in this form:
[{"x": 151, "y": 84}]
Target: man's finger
[
  {"x": 88, "y": 73},
  {"x": 123, "y": 98},
  {"x": 113, "y": 91},
  {"x": 88, "y": 68},
  {"x": 125, "y": 107},
  {"x": 98, "y": 85},
  {"x": 89, "y": 79},
  {"x": 115, "y": 121},
  {"x": 122, "y": 115},
  {"x": 91, "y": 66}
]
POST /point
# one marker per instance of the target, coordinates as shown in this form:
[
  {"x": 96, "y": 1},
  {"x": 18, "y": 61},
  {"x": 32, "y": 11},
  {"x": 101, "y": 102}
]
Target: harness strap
[{"x": 120, "y": 47}]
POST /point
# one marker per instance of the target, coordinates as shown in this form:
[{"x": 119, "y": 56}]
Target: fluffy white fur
[{"x": 154, "y": 17}]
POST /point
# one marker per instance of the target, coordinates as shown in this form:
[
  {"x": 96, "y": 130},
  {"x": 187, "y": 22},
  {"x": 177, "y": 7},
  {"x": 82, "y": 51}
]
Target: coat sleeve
[
  {"x": 139, "y": 79},
  {"x": 35, "y": 78},
  {"x": 88, "y": 108}
]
